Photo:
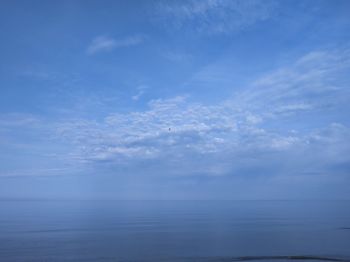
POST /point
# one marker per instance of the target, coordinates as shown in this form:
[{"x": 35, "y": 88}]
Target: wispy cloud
[
  {"x": 231, "y": 136},
  {"x": 177, "y": 56},
  {"x": 140, "y": 91},
  {"x": 215, "y": 16},
  {"x": 106, "y": 44},
  {"x": 18, "y": 120},
  {"x": 199, "y": 139},
  {"x": 315, "y": 80},
  {"x": 234, "y": 136},
  {"x": 38, "y": 172}
]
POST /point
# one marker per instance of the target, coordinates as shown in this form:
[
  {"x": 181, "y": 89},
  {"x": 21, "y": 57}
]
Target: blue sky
[{"x": 211, "y": 99}]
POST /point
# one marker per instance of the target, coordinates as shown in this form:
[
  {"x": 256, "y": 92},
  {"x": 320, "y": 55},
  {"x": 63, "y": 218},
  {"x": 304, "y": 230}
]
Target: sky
[{"x": 210, "y": 99}]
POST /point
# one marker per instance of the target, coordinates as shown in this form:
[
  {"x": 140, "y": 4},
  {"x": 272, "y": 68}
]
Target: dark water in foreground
[{"x": 174, "y": 230}]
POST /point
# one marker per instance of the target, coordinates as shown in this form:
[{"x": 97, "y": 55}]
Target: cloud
[
  {"x": 141, "y": 90},
  {"x": 106, "y": 44},
  {"x": 215, "y": 16},
  {"x": 314, "y": 81},
  {"x": 168, "y": 124},
  {"x": 37, "y": 172},
  {"x": 18, "y": 120},
  {"x": 178, "y": 56},
  {"x": 245, "y": 134},
  {"x": 192, "y": 139},
  {"x": 233, "y": 136}
]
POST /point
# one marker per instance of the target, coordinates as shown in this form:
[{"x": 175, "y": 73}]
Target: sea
[{"x": 101, "y": 230}]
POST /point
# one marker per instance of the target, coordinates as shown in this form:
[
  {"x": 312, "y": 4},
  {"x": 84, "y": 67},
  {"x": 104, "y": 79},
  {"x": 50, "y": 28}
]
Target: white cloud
[
  {"x": 105, "y": 44},
  {"x": 18, "y": 120},
  {"x": 233, "y": 136},
  {"x": 177, "y": 56},
  {"x": 145, "y": 134},
  {"x": 37, "y": 172},
  {"x": 314, "y": 81},
  {"x": 215, "y": 16},
  {"x": 220, "y": 138},
  {"x": 140, "y": 91},
  {"x": 227, "y": 137}
]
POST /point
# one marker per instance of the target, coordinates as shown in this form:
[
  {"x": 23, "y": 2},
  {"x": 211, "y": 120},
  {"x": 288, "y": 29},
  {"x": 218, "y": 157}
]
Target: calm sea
[{"x": 174, "y": 230}]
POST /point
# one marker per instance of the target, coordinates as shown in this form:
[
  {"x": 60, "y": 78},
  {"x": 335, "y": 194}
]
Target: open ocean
[{"x": 174, "y": 231}]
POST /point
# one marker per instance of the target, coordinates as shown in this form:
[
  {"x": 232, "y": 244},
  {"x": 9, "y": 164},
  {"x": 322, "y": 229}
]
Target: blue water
[{"x": 172, "y": 230}]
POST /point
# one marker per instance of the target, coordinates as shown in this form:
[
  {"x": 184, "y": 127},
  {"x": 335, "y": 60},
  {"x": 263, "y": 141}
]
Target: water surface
[{"x": 174, "y": 230}]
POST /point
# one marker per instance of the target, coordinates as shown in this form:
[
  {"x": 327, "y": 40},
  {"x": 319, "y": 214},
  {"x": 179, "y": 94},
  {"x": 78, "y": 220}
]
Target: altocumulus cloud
[{"x": 236, "y": 136}]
